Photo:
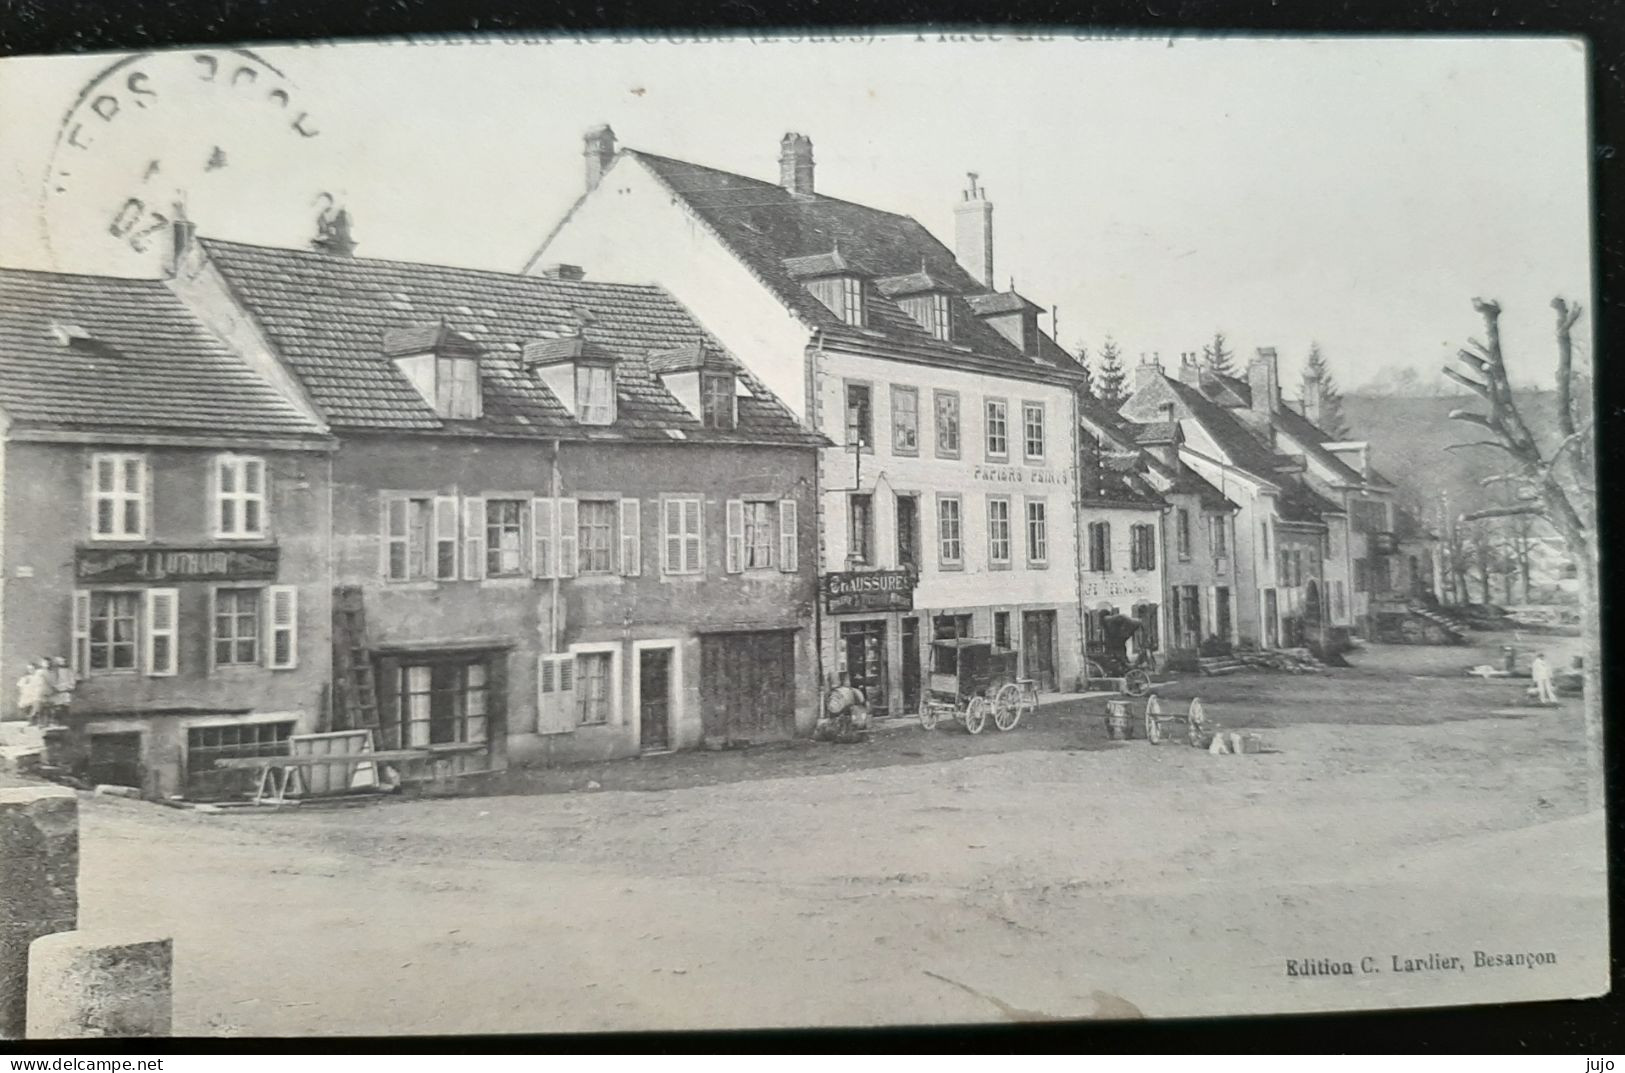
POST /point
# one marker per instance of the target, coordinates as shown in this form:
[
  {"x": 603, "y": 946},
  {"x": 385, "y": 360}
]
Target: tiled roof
[
  {"x": 1108, "y": 475},
  {"x": 570, "y": 348},
  {"x": 1157, "y": 432},
  {"x": 127, "y": 355},
  {"x": 764, "y": 225},
  {"x": 1300, "y": 503},
  {"x": 1309, "y": 435},
  {"x": 689, "y": 358},
  {"x": 821, "y": 264},
  {"x": 1229, "y": 432},
  {"x": 327, "y": 316},
  {"x": 922, "y": 282},
  {"x": 423, "y": 338},
  {"x": 1193, "y": 483}
]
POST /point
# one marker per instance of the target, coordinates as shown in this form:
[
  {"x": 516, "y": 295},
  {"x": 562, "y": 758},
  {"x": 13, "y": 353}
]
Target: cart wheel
[
  {"x": 1136, "y": 682},
  {"x": 1194, "y": 721},
  {"x": 1153, "y": 724},
  {"x": 976, "y": 715},
  {"x": 928, "y": 718},
  {"x": 1007, "y": 707}
]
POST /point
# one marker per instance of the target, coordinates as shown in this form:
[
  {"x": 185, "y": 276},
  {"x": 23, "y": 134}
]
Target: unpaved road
[{"x": 1052, "y": 875}]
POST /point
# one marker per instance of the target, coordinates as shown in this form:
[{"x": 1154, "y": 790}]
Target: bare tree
[{"x": 1553, "y": 482}]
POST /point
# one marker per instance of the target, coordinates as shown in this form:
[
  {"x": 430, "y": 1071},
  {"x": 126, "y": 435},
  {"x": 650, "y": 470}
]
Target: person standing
[
  {"x": 30, "y": 694},
  {"x": 1541, "y": 672},
  {"x": 62, "y": 683}
]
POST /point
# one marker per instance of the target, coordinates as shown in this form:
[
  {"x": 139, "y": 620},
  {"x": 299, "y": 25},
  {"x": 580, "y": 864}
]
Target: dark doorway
[
  {"x": 654, "y": 699},
  {"x": 115, "y": 759},
  {"x": 1038, "y": 648},
  {"x": 1221, "y": 612},
  {"x": 911, "y": 665},
  {"x": 1311, "y": 606},
  {"x": 865, "y": 646},
  {"x": 1272, "y": 625},
  {"x": 747, "y": 685}
]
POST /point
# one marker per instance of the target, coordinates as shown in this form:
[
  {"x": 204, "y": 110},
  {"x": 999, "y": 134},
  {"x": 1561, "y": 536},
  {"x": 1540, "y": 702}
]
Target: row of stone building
[{"x": 511, "y": 517}]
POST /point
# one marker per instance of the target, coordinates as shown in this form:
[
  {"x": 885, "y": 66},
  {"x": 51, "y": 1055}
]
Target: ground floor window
[
  {"x": 951, "y": 627},
  {"x": 593, "y": 698},
  {"x": 1001, "y": 629},
  {"x": 236, "y": 627},
  {"x": 205, "y": 745},
  {"x": 442, "y": 703},
  {"x": 113, "y": 619}
]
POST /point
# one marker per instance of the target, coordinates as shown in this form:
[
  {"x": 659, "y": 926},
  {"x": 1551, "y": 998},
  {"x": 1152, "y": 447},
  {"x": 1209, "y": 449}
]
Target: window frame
[
  {"x": 905, "y": 391},
  {"x": 769, "y": 511},
  {"x": 587, "y": 409},
  {"x": 852, "y": 303},
  {"x": 239, "y": 466},
  {"x": 938, "y": 396},
  {"x": 1101, "y": 563},
  {"x": 708, "y": 398},
  {"x": 944, "y": 561},
  {"x": 1037, "y": 550},
  {"x": 258, "y": 618},
  {"x": 1182, "y": 534},
  {"x": 1028, "y": 408},
  {"x": 120, "y": 495},
  {"x": 868, "y": 532},
  {"x": 1003, "y": 404},
  {"x": 916, "y": 545},
  {"x": 461, "y": 717},
  {"x": 611, "y": 505},
  {"x": 138, "y": 640},
  {"x": 613, "y": 715},
  {"x": 995, "y": 561},
  {"x": 868, "y": 388},
  {"x": 525, "y": 542}
]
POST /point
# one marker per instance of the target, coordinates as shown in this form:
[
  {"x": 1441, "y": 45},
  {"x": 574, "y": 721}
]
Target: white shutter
[
  {"x": 80, "y": 655},
  {"x": 474, "y": 538},
  {"x": 568, "y": 538},
  {"x": 735, "y": 556},
  {"x": 671, "y": 526},
  {"x": 542, "y": 537},
  {"x": 385, "y": 505},
  {"x": 282, "y": 653},
  {"x": 160, "y": 631},
  {"x": 788, "y": 557},
  {"x": 445, "y": 538},
  {"x": 555, "y": 694},
  {"x": 693, "y": 541},
  {"x": 631, "y": 538}
]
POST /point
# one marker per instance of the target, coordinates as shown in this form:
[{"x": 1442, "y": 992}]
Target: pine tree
[
  {"x": 1218, "y": 358},
  {"x": 1112, "y": 374},
  {"x": 1317, "y": 371}
]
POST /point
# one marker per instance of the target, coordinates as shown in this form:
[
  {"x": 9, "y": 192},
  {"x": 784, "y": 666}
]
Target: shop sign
[
  {"x": 154, "y": 565},
  {"x": 1020, "y": 475},
  {"x": 869, "y": 590}
]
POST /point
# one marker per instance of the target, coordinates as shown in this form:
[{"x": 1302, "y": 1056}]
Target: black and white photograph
[{"x": 663, "y": 532}]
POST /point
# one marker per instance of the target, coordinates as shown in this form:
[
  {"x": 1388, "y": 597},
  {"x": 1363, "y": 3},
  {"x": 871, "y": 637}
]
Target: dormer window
[
  {"x": 579, "y": 373},
  {"x": 834, "y": 281},
  {"x": 923, "y": 295},
  {"x": 1012, "y": 316},
  {"x": 443, "y": 365},
  {"x": 719, "y": 405},
  {"x": 595, "y": 394}
]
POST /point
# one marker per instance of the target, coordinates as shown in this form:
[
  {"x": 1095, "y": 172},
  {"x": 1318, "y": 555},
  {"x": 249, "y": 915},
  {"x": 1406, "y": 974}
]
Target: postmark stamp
[{"x": 155, "y": 135}]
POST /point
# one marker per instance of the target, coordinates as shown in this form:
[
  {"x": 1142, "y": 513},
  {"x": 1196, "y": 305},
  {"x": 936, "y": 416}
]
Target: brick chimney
[
  {"x": 973, "y": 231},
  {"x": 1147, "y": 372},
  {"x": 1311, "y": 399},
  {"x": 796, "y": 163},
  {"x": 599, "y": 149},
  {"x": 1190, "y": 369},
  {"x": 1263, "y": 380}
]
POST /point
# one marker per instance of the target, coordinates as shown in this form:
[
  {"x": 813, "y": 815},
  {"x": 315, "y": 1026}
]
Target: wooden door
[
  {"x": 911, "y": 665},
  {"x": 1038, "y": 647},
  {"x": 116, "y": 759},
  {"x": 865, "y": 644},
  {"x": 747, "y": 685},
  {"x": 654, "y": 699}
]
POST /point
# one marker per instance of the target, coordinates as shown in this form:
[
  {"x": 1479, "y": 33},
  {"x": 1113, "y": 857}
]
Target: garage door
[{"x": 747, "y": 685}]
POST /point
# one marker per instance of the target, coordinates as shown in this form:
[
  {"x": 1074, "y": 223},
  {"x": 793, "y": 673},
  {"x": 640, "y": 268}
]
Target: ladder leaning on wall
[{"x": 355, "y": 679}]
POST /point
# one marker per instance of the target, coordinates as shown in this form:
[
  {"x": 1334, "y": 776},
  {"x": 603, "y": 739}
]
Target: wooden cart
[{"x": 971, "y": 680}]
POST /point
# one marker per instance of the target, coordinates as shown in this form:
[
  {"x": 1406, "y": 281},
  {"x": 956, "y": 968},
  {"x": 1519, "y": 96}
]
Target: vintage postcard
[{"x": 685, "y": 532}]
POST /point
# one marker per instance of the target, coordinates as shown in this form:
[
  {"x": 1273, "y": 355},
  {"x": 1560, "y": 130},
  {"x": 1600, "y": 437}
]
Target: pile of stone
[{"x": 1289, "y": 660}]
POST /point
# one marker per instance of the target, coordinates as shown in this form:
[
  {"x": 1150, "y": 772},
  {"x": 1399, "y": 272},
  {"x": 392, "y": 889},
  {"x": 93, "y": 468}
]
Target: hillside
[{"x": 1409, "y": 436}]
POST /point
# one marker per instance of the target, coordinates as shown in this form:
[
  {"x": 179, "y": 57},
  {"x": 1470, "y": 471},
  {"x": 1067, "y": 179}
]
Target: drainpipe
[
  {"x": 553, "y": 617},
  {"x": 818, "y": 518}
]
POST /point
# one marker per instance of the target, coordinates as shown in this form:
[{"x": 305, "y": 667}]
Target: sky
[{"x": 1354, "y": 192}]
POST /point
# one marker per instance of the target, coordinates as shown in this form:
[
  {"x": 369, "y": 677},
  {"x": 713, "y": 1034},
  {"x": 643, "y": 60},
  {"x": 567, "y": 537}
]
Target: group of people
[{"x": 45, "y": 690}]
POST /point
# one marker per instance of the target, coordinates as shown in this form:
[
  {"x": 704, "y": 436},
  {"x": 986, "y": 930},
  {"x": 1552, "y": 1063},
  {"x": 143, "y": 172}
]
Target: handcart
[
  {"x": 971, "y": 680},
  {"x": 1109, "y": 665},
  {"x": 1194, "y": 719}
]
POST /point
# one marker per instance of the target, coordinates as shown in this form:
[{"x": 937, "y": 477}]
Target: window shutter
[
  {"x": 631, "y": 538},
  {"x": 1106, "y": 545},
  {"x": 160, "y": 639},
  {"x": 555, "y": 694},
  {"x": 81, "y": 633},
  {"x": 788, "y": 557},
  {"x": 283, "y": 651},
  {"x": 569, "y": 538},
  {"x": 735, "y": 555},
  {"x": 445, "y": 538},
  {"x": 693, "y": 542},
  {"x": 671, "y": 525},
  {"x": 474, "y": 538},
  {"x": 543, "y": 539}
]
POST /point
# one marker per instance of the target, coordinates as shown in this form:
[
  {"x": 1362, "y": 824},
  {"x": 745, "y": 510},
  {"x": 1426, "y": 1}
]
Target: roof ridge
[
  {"x": 336, "y": 258},
  {"x": 817, "y": 196},
  {"x": 149, "y": 281}
]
